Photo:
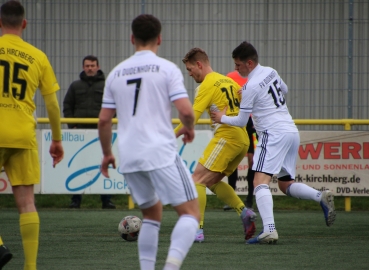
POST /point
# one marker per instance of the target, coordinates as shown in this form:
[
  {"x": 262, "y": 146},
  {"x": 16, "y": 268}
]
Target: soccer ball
[{"x": 129, "y": 227}]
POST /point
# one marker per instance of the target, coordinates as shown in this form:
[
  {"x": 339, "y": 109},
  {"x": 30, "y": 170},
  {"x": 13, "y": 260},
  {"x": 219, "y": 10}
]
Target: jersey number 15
[
  {"x": 277, "y": 94},
  {"x": 15, "y": 80}
]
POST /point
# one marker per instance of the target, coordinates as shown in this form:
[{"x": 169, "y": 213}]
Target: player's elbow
[
  {"x": 187, "y": 112},
  {"x": 103, "y": 123}
]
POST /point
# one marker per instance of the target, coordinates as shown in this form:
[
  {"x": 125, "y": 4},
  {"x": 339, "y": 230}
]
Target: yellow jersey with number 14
[
  {"x": 23, "y": 69},
  {"x": 215, "y": 93}
]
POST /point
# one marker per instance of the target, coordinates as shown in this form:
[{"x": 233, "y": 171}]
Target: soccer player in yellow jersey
[
  {"x": 228, "y": 146},
  {"x": 23, "y": 69}
]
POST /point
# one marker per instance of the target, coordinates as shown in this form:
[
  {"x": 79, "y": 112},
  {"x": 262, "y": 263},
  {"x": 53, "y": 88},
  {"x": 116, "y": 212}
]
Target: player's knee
[
  {"x": 284, "y": 182},
  {"x": 197, "y": 177},
  {"x": 152, "y": 209},
  {"x": 189, "y": 208},
  {"x": 194, "y": 209},
  {"x": 208, "y": 179},
  {"x": 262, "y": 178},
  {"x": 283, "y": 189}
]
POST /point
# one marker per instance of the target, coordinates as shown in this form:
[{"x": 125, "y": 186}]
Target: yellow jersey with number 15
[{"x": 23, "y": 69}]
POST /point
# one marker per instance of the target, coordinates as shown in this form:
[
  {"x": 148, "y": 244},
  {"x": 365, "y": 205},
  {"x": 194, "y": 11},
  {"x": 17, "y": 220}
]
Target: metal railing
[{"x": 347, "y": 123}]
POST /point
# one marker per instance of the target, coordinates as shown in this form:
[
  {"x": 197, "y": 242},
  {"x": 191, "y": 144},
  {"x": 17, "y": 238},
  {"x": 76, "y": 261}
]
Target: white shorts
[
  {"x": 171, "y": 185},
  {"x": 276, "y": 153}
]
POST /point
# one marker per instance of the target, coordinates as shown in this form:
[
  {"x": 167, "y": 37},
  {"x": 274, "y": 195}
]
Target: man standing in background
[
  {"x": 21, "y": 74},
  {"x": 83, "y": 100}
]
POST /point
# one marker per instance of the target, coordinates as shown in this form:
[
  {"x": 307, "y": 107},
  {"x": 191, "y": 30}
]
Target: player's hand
[
  {"x": 216, "y": 117},
  {"x": 239, "y": 92},
  {"x": 56, "y": 151},
  {"x": 106, "y": 161},
  {"x": 181, "y": 131},
  {"x": 188, "y": 134}
]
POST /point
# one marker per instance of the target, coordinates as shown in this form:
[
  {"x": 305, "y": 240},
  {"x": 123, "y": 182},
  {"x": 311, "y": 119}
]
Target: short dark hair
[
  {"x": 196, "y": 54},
  {"x": 12, "y": 14},
  {"x": 91, "y": 58},
  {"x": 245, "y": 51},
  {"x": 145, "y": 28}
]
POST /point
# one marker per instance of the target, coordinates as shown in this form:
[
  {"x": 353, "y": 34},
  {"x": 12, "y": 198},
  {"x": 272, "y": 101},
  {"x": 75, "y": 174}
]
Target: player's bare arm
[
  {"x": 240, "y": 120},
  {"x": 105, "y": 133},
  {"x": 187, "y": 117}
]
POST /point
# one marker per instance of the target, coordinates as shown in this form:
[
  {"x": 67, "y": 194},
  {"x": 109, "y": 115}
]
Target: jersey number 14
[{"x": 232, "y": 101}]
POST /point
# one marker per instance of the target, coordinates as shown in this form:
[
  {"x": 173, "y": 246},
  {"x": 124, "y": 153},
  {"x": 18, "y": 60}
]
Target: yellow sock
[
  {"x": 29, "y": 228},
  {"x": 227, "y": 194},
  {"x": 1, "y": 241},
  {"x": 201, "y": 191}
]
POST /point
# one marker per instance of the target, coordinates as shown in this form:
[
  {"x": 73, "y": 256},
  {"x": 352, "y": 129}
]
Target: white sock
[
  {"x": 264, "y": 201},
  {"x": 181, "y": 241},
  {"x": 148, "y": 243},
  {"x": 304, "y": 192}
]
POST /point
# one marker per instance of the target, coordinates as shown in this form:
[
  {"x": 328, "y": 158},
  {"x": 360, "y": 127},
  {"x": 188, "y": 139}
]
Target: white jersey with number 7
[{"x": 142, "y": 89}]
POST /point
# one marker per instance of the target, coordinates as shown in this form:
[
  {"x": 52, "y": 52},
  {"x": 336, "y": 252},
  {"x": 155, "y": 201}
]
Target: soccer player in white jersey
[
  {"x": 279, "y": 140},
  {"x": 141, "y": 90}
]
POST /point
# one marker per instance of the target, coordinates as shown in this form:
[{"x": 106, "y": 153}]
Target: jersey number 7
[{"x": 137, "y": 91}]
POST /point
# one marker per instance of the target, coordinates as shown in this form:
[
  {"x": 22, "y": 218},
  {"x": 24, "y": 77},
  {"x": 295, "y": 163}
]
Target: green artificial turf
[{"x": 88, "y": 239}]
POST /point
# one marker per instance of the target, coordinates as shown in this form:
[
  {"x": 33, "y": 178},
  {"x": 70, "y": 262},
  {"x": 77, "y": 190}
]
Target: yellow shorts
[
  {"x": 21, "y": 165},
  {"x": 226, "y": 150}
]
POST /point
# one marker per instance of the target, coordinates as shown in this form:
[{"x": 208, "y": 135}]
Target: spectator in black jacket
[{"x": 83, "y": 100}]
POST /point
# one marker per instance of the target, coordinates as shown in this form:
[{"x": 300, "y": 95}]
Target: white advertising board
[
  {"x": 334, "y": 160},
  {"x": 79, "y": 170},
  {"x": 338, "y": 161}
]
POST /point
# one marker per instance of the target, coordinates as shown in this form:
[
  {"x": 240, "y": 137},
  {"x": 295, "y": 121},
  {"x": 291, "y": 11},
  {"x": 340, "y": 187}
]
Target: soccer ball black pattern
[
  {"x": 129, "y": 228},
  {"x": 130, "y": 237}
]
